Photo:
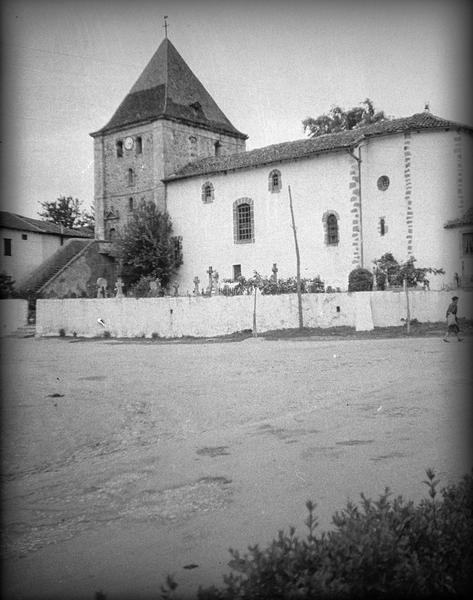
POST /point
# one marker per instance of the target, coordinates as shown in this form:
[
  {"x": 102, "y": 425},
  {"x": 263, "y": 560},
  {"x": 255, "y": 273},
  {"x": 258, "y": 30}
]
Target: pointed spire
[{"x": 167, "y": 88}]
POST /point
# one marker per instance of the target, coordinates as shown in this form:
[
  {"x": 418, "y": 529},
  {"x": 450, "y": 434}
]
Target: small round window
[{"x": 383, "y": 183}]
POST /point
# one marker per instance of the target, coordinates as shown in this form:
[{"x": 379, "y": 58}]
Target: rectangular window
[
  {"x": 6, "y": 247},
  {"x": 177, "y": 248},
  {"x": 382, "y": 226},
  {"x": 467, "y": 243},
  {"x": 24, "y": 236},
  {"x": 236, "y": 271},
  {"x": 244, "y": 222}
]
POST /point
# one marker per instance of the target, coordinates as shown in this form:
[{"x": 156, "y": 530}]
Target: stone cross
[
  {"x": 101, "y": 287},
  {"x": 210, "y": 271},
  {"x": 119, "y": 288},
  {"x": 215, "y": 286}
]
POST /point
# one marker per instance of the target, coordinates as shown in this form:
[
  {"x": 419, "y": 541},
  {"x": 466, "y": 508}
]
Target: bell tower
[{"x": 166, "y": 120}]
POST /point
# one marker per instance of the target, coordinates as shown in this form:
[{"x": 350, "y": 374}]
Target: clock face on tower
[{"x": 129, "y": 143}]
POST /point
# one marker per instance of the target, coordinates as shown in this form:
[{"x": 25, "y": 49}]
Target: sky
[{"x": 67, "y": 65}]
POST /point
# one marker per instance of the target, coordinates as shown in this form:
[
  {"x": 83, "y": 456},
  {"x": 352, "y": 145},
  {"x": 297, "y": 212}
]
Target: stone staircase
[
  {"x": 25, "y": 331},
  {"x": 53, "y": 265}
]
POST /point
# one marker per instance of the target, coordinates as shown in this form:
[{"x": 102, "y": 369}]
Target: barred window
[
  {"x": 332, "y": 229},
  {"x": 243, "y": 221},
  {"x": 467, "y": 243},
  {"x": 330, "y": 222},
  {"x": 274, "y": 181},
  {"x": 177, "y": 248},
  {"x": 207, "y": 192}
]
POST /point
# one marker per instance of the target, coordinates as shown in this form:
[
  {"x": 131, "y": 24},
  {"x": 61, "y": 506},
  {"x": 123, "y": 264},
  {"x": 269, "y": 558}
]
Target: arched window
[
  {"x": 330, "y": 221},
  {"x": 218, "y": 148},
  {"x": 119, "y": 148},
  {"x": 131, "y": 177},
  {"x": 207, "y": 192},
  {"x": 243, "y": 221},
  {"x": 113, "y": 234},
  {"x": 274, "y": 181},
  {"x": 130, "y": 204},
  {"x": 139, "y": 145}
]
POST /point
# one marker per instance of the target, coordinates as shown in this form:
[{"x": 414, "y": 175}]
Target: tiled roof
[
  {"x": 167, "y": 88},
  {"x": 465, "y": 219},
  {"x": 14, "y": 221},
  {"x": 331, "y": 142}
]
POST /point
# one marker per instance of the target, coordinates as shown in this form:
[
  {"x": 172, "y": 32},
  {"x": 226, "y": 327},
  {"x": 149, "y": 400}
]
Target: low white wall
[
  {"x": 13, "y": 314},
  {"x": 204, "y": 317}
]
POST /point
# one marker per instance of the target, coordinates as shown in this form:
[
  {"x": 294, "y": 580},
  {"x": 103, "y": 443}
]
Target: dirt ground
[{"x": 123, "y": 462}]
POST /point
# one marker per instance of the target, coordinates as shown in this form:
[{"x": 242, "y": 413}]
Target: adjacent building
[{"x": 27, "y": 243}]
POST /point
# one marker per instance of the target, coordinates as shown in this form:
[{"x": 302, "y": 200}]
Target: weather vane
[{"x": 165, "y": 27}]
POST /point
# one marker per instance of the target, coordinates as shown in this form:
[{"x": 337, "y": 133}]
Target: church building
[{"x": 400, "y": 186}]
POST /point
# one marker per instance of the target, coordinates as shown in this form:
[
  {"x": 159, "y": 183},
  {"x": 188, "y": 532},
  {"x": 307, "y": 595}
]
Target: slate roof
[
  {"x": 13, "y": 221},
  {"x": 167, "y": 88},
  {"x": 465, "y": 219},
  {"x": 331, "y": 142}
]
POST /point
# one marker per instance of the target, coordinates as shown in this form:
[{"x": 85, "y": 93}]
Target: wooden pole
[
  {"x": 298, "y": 262},
  {"x": 255, "y": 333},
  {"x": 408, "y": 310}
]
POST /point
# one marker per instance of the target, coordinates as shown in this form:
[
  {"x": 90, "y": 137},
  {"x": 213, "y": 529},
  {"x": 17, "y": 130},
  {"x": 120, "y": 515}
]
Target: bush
[
  {"x": 387, "y": 548},
  {"x": 268, "y": 286},
  {"x": 390, "y": 271},
  {"x": 360, "y": 280},
  {"x": 7, "y": 286},
  {"x": 141, "y": 289}
]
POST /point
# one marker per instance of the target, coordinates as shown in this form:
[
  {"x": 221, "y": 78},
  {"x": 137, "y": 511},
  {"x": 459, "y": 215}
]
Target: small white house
[{"x": 26, "y": 243}]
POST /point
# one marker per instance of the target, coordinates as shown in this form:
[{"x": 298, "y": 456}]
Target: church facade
[{"x": 400, "y": 186}]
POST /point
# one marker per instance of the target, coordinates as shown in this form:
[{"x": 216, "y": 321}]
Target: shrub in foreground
[{"x": 389, "y": 548}]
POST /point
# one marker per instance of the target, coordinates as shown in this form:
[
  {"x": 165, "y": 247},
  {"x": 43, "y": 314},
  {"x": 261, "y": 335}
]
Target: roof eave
[
  {"x": 263, "y": 163},
  {"x": 164, "y": 117}
]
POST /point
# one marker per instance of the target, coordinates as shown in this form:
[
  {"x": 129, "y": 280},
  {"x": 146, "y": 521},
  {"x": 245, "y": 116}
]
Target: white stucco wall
[
  {"x": 219, "y": 315},
  {"x": 27, "y": 254},
  {"x": 318, "y": 185},
  {"x": 430, "y": 178},
  {"x": 13, "y": 314},
  {"x": 429, "y": 185}
]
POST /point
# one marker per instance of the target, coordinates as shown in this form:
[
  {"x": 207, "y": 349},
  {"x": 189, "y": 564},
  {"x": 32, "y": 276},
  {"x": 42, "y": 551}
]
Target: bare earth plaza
[{"x": 125, "y": 461}]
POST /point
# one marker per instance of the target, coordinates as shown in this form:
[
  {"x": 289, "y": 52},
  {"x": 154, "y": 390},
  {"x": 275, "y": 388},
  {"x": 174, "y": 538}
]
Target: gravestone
[{"x": 101, "y": 287}]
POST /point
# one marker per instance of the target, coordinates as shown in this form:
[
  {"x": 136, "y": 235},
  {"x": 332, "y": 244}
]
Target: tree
[
  {"x": 67, "y": 212},
  {"x": 390, "y": 271},
  {"x": 147, "y": 247},
  {"x": 7, "y": 286},
  {"x": 339, "y": 119}
]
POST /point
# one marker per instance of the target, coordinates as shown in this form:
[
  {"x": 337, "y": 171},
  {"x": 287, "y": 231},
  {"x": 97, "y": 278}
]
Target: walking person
[{"x": 452, "y": 320}]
